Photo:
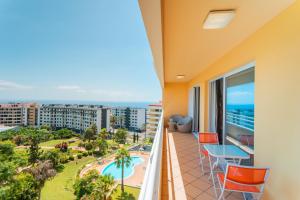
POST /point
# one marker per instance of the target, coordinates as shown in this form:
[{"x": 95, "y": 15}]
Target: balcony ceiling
[{"x": 189, "y": 49}]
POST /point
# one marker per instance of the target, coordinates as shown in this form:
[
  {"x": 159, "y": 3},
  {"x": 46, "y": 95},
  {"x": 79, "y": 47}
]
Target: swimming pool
[{"x": 128, "y": 171}]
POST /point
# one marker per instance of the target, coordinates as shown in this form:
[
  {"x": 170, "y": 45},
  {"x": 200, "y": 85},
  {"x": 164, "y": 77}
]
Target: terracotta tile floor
[{"x": 181, "y": 177}]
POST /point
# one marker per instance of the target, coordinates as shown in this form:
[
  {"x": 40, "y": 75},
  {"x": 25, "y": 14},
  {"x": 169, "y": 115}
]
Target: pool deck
[{"x": 134, "y": 180}]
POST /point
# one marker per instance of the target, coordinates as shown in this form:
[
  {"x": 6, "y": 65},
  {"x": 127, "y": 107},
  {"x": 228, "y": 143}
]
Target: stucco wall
[
  {"x": 276, "y": 50},
  {"x": 175, "y": 99}
]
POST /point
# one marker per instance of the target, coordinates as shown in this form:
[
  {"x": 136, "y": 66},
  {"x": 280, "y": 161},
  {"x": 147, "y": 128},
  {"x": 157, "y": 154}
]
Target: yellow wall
[
  {"x": 276, "y": 50},
  {"x": 175, "y": 99}
]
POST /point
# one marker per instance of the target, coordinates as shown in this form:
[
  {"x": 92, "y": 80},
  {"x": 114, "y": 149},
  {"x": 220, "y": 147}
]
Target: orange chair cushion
[{"x": 237, "y": 187}]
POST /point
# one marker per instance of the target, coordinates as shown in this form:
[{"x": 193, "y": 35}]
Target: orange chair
[
  {"x": 243, "y": 179},
  {"x": 206, "y": 138}
]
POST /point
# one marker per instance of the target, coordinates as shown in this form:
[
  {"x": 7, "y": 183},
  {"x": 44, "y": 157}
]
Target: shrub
[
  {"x": 63, "y": 133},
  {"x": 97, "y": 153},
  {"x": 52, "y": 155},
  {"x": 79, "y": 156},
  {"x": 90, "y": 153},
  {"x": 62, "y": 146},
  {"x": 88, "y": 146},
  {"x": 64, "y": 159},
  {"x": 85, "y": 154},
  {"x": 81, "y": 144},
  {"x": 18, "y": 140},
  {"x": 71, "y": 158}
]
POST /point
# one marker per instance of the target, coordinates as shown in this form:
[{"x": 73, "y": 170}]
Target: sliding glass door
[{"x": 239, "y": 108}]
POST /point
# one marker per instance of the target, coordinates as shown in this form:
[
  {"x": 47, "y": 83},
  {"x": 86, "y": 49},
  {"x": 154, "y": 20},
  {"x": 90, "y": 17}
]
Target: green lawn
[
  {"x": 61, "y": 186},
  {"x": 131, "y": 193},
  {"x": 52, "y": 143}
]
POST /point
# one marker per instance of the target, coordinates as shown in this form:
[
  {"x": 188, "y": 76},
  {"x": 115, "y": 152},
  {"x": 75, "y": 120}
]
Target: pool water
[{"x": 117, "y": 172}]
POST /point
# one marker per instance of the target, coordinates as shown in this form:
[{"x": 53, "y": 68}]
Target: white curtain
[{"x": 212, "y": 107}]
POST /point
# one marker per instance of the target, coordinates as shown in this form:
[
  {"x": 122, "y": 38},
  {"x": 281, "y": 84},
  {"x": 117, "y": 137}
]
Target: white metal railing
[
  {"x": 151, "y": 185},
  {"x": 240, "y": 120}
]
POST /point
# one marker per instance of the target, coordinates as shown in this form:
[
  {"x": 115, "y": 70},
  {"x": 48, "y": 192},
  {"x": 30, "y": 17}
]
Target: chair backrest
[
  {"x": 175, "y": 118},
  {"x": 208, "y": 138},
  {"x": 247, "y": 175},
  {"x": 185, "y": 120}
]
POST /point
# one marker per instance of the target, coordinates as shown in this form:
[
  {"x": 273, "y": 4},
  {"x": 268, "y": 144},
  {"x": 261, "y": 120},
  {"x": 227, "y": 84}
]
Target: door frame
[
  {"x": 224, "y": 76},
  {"x": 191, "y": 102}
]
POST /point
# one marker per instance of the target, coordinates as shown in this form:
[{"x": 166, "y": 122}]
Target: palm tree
[
  {"x": 94, "y": 129},
  {"x": 113, "y": 121},
  {"x": 103, "y": 187},
  {"x": 122, "y": 159},
  {"x": 89, "y": 134},
  {"x": 103, "y": 134}
]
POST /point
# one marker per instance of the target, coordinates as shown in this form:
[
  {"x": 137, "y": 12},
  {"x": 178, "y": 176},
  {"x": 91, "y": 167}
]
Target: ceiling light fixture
[
  {"x": 180, "y": 76},
  {"x": 217, "y": 19}
]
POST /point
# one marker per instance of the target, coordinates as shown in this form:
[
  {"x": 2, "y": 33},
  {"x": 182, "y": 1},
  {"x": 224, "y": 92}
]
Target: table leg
[{"x": 212, "y": 175}]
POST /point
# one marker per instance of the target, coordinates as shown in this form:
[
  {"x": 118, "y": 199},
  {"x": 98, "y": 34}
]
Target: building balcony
[{"x": 174, "y": 172}]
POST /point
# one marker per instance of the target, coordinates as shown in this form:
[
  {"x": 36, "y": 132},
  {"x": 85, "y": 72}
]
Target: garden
[{"x": 41, "y": 163}]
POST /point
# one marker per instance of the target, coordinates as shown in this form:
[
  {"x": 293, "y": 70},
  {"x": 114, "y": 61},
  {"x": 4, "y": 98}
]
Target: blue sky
[
  {"x": 75, "y": 50},
  {"x": 241, "y": 94}
]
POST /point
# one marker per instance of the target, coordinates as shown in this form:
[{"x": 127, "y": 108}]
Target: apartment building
[
  {"x": 19, "y": 114},
  {"x": 72, "y": 116},
  {"x": 153, "y": 115},
  {"x": 130, "y": 118}
]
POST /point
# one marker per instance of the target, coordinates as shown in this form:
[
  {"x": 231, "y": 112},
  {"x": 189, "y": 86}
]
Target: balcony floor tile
[{"x": 185, "y": 177}]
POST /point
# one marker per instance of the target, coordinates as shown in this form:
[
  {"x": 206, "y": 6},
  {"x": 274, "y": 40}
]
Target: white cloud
[
  {"x": 111, "y": 93},
  {"x": 8, "y": 85},
  {"x": 94, "y": 93},
  {"x": 68, "y": 87},
  {"x": 73, "y": 88}
]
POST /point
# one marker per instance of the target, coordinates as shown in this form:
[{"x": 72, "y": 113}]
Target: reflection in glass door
[{"x": 239, "y": 109}]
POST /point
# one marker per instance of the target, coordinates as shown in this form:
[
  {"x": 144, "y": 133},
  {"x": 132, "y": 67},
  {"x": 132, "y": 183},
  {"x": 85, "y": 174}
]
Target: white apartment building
[
  {"x": 153, "y": 115},
  {"x": 73, "y": 116},
  {"x": 130, "y": 118},
  {"x": 19, "y": 114}
]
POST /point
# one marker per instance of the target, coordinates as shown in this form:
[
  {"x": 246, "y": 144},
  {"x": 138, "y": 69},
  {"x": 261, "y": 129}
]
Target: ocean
[{"x": 104, "y": 103}]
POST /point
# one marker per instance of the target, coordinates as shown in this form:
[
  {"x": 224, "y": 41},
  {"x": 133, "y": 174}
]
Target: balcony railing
[
  {"x": 240, "y": 120},
  {"x": 151, "y": 185}
]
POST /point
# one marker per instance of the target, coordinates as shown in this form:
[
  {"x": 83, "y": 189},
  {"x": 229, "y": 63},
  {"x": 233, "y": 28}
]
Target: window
[{"x": 239, "y": 109}]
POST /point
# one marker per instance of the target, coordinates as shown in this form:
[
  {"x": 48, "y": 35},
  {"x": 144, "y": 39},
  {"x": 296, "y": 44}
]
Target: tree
[
  {"x": 18, "y": 140},
  {"x": 34, "y": 148},
  {"x": 121, "y": 136},
  {"x": 89, "y": 134},
  {"x": 103, "y": 146},
  {"x": 103, "y": 187},
  {"x": 46, "y": 127},
  {"x": 122, "y": 159},
  {"x": 113, "y": 122},
  {"x": 93, "y": 187},
  {"x": 25, "y": 187},
  {"x": 84, "y": 186},
  {"x": 41, "y": 171},
  {"x": 7, "y": 172},
  {"x": 94, "y": 129},
  {"x": 53, "y": 156},
  {"x": 6, "y": 151},
  {"x": 103, "y": 134},
  {"x": 63, "y": 134}
]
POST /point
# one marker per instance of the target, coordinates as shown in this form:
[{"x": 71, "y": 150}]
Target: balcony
[{"x": 175, "y": 159}]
